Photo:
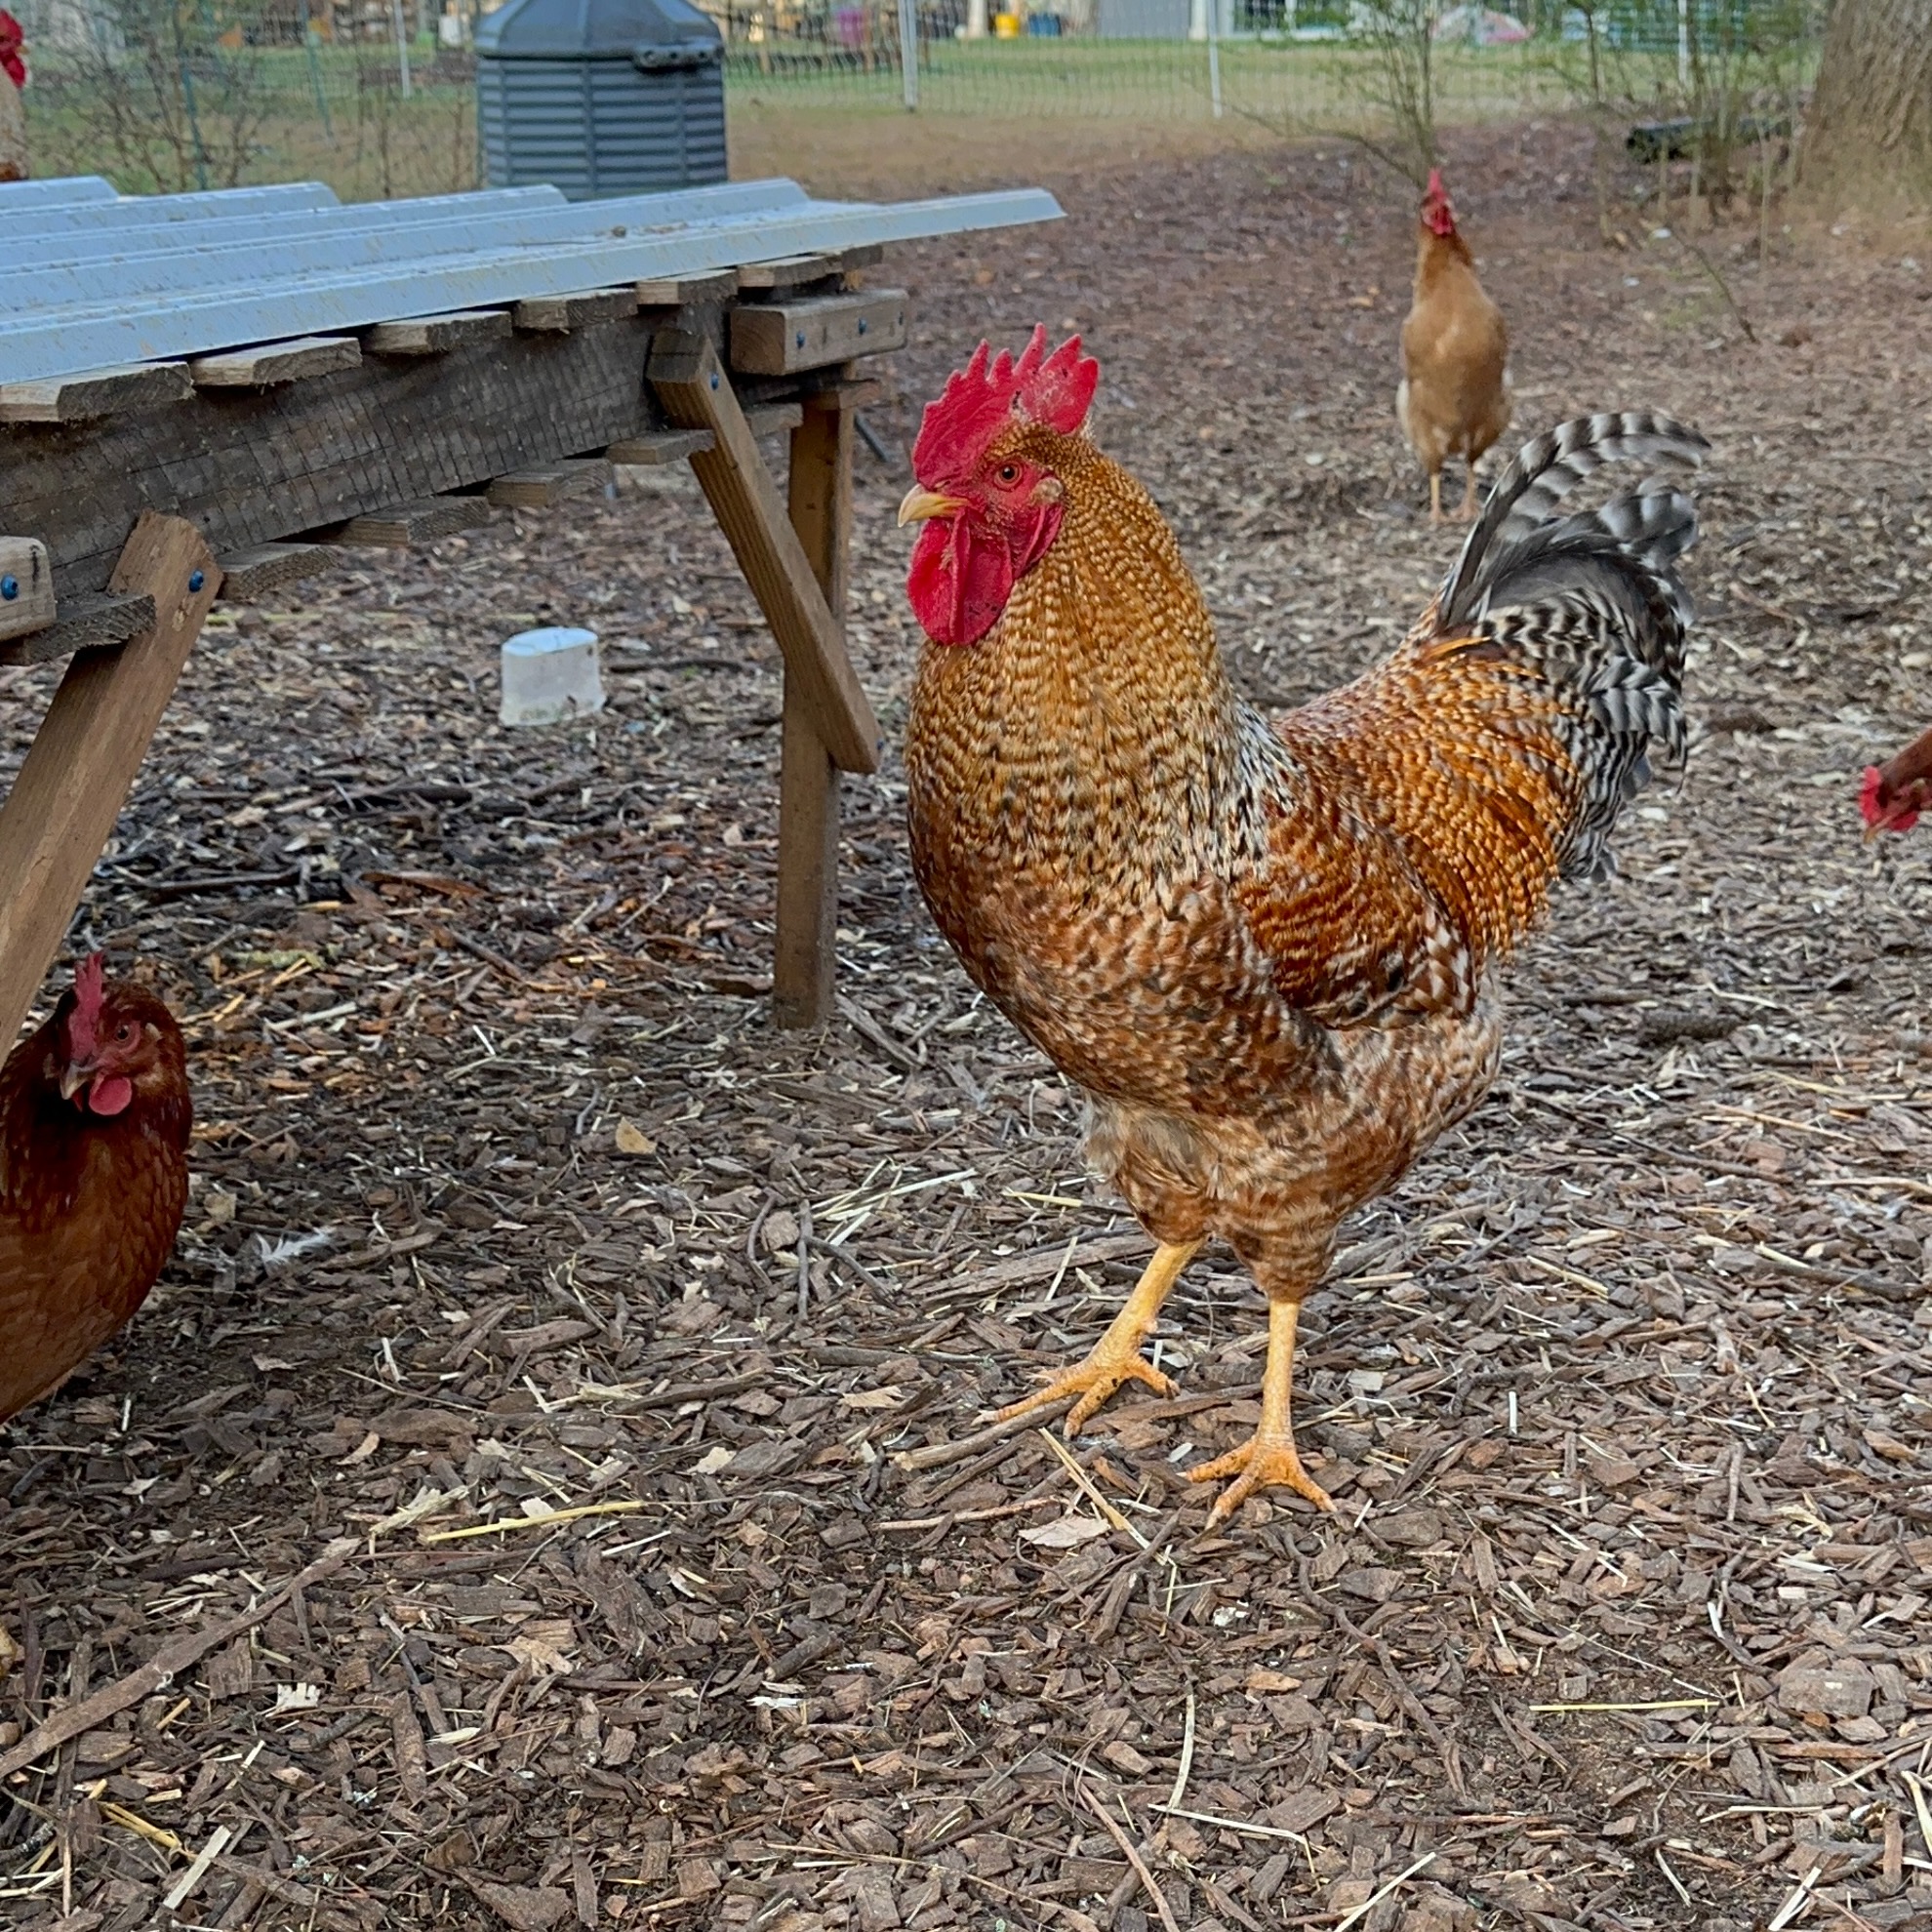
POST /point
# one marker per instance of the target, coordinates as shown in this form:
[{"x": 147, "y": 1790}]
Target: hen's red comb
[
  {"x": 1870, "y": 806},
  {"x": 1056, "y": 389},
  {"x": 1435, "y": 192},
  {"x": 89, "y": 986}
]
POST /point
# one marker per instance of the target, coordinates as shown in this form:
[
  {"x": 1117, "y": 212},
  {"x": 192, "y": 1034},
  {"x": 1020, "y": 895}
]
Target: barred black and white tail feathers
[{"x": 1591, "y": 602}]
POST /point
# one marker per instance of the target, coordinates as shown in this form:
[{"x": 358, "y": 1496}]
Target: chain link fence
[{"x": 377, "y": 97}]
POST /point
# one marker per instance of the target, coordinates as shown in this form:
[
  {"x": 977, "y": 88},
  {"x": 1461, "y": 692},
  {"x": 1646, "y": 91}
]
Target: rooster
[
  {"x": 95, "y": 1117},
  {"x": 1454, "y": 396},
  {"x": 1894, "y": 793},
  {"x": 1266, "y": 952}
]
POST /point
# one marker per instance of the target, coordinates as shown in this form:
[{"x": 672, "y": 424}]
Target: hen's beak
[
  {"x": 73, "y": 1079},
  {"x": 920, "y": 505}
]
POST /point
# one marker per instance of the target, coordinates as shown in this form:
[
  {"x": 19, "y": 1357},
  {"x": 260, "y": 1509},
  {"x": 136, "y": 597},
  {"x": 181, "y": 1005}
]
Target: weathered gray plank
[
  {"x": 660, "y": 446},
  {"x": 688, "y": 290},
  {"x": 437, "y": 335},
  {"x": 87, "y": 623},
  {"x": 405, "y": 525},
  {"x": 275, "y": 362},
  {"x": 248, "y": 576},
  {"x": 263, "y": 465},
  {"x": 553, "y": 313},
  {"x": 98, "y": 392},
  {"x": 539, "y": 489}
]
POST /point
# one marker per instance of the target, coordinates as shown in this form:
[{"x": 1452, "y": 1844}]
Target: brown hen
[
  {"x": 1454, "y": 396},
  {"x": 95, "y": 1117},
  {"x": 1266, "y": 952}
]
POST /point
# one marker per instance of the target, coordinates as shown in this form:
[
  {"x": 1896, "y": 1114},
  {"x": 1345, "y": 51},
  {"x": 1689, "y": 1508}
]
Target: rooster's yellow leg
[
  {"x": 1116, "y": 1355},
  {"x": 1267, "y": 1458},
  {"x": 1435, "y": 496}
]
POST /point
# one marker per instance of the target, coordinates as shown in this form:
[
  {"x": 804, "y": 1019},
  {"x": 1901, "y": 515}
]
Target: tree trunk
[
  {"x": 12, "y": 134},
  {"x": 1870, "y": 132}
]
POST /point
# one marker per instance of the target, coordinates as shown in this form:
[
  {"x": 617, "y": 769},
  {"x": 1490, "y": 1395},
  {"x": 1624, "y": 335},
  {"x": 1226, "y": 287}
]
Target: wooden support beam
[
  {"x": 249, "y": 576},
  {"x": 410, "y": 524},
  {"x": 820, "y": 505},
  {"x": 782, "y": 338},
  {"x": 26, "y": 586},
  {"x": 98, "y": 392},
  {"x": 552, "y": 314},
  {"x": 539, "y": 489},
  {"x": 659, "y": 446},
  {"x": 437, "y": 335},
  {"x": 71, "y": 789},
  {"x": 91, "y": 621},
  {"x": 691, "y": 384},
  {"x": 276, "y": 362}
]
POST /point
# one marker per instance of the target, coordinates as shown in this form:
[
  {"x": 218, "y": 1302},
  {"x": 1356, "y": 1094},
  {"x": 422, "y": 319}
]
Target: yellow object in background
[{"x": 1006, "y": 26}]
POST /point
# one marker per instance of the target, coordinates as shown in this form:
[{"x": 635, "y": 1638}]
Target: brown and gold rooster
[{"x": 1267, "y": 951}]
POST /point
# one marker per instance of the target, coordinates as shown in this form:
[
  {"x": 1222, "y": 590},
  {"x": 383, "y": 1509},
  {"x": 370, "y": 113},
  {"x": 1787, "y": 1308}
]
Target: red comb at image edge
[
  {"x": 1056, "y": 389},
  {"x": 11, "y": 40},
  {"x": 1871, "y": 808}
]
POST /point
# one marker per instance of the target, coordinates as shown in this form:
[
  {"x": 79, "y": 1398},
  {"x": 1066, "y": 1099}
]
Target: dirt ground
[{"x": 527, "y": 1254}]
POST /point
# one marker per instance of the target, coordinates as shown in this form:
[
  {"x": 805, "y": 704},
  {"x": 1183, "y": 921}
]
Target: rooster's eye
[
  {"x": 1009, "y": 472},
  {"x": 124, "y": 1031}
]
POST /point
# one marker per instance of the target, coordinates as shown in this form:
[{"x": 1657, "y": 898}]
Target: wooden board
[
  {"x": 248, "y": 576},
  {"x": 265, "y": 464},
  {"x": 550, "y": 313},
  {"x": 275, "y": 362},
  {"x": 782, "y": 338},
  {"x": 26, "y": 586},
  {"x": 98, "y": 392},
  {"x": 691, "y": 382},
  {"x": 774, "y": 419},
  {"x": 539, "y": 489},
  {"x": 688, "y": 290},
  {"x": 792, "y": 271},
  {"x": 437, "y": 335},
  {"x": 76, "y": 778},
  {"x": 660, "y": 446},
  {"x": 90, "y": 622},
  {"x": 406, "y": 525}
]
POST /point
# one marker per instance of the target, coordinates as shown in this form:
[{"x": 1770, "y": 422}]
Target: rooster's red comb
[
  {"x": 1435, "y": 192},
  {"x": 1056, "y": 389},
  {"x": 89, "y": 986}
]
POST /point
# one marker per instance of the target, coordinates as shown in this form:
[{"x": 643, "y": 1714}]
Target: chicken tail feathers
[
  {"x": 1545, "y": 470},
  {"x": 1591, "y": 604}
]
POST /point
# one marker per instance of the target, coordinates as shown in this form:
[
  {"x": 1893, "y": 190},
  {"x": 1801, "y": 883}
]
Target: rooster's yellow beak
[{"x": 921, "y": 505}]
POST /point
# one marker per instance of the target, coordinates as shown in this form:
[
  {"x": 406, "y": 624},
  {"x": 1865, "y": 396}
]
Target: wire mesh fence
[{"x": 378, "y": 97}]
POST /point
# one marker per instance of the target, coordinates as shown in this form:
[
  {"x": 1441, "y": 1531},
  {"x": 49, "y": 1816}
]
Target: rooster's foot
[
  {"x": 1093, "y": 1381},
  {"x": 1263, "y": 1462},
  {"x": 1267, "y": 1458},
  {"x": 1116, "y": 1355}
]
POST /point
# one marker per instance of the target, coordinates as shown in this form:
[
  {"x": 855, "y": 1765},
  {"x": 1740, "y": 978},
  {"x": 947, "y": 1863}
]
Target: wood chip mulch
[{"x": 609, "y": 1369}]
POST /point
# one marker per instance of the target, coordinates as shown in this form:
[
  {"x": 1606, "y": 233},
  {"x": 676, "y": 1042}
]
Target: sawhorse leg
[
  {"x": 82, "y": 763},
  {"x": 820, "y": 502}
]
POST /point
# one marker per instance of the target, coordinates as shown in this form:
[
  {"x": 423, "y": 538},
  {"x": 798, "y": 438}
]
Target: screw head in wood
[
  {"x": 714, "y": 378},
  {"x": 861, "y": 325},
  {"x": 799, "y": 338},
  {"x": 9, "y": 587},
  {"x": 197, "y": 579}
]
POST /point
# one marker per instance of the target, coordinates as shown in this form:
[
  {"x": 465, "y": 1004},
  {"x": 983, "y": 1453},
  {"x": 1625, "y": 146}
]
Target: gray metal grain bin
[{"x": 600, "y": 97}]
